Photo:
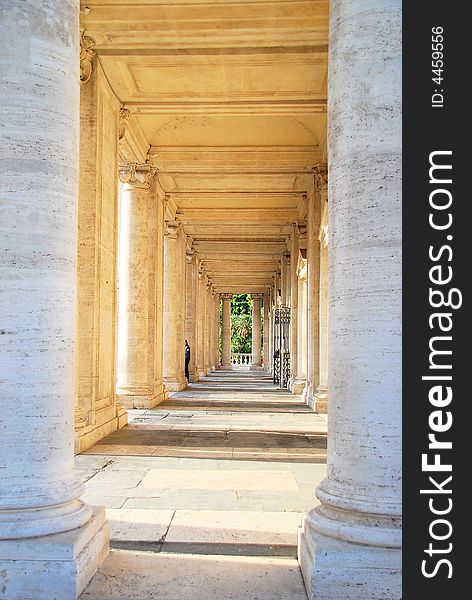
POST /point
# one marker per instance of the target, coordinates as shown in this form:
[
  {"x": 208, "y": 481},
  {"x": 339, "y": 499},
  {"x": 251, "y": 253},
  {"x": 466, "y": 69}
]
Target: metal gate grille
[{"x": 282, "y": 346}]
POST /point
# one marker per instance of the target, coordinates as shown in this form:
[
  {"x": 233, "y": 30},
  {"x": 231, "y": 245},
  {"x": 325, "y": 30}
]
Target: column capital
[
  {"x": 257, "y": 296},
  {"x": 321, "y": 178},
  {"x": 123, "y": 118},
  {"x": 226, "y": 296},
  {"x": 171, "y": 229},
  {"x": 87, "y": 53},
  {"x": 137, "y": 175}
]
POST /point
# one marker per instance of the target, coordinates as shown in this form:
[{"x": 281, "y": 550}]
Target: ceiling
[{"x": 229, "y": 97}]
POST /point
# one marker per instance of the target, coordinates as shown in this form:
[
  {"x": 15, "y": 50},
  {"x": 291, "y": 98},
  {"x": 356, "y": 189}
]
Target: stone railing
[{"x": 241, "y": 359}]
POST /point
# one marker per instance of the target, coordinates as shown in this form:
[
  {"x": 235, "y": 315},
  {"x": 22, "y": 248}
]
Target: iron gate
[{"x": 282, "y": 346}]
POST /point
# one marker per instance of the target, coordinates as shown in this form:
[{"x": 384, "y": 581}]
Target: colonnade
[{"x": 59, "y": 241}]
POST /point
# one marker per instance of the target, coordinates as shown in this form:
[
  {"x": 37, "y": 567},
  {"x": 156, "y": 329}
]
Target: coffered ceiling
[{"x": 229, "y": 98}]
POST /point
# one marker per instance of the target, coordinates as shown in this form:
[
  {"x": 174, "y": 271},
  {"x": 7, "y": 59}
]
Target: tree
[{"x": 241, "y": 323}]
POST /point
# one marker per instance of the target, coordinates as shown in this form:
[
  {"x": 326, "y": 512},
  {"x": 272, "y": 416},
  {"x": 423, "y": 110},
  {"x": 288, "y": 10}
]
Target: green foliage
[
  {"x": 241, "y": 304},
  {"x": 241, "y": 323},
  {"x": 241, "y": 333}
]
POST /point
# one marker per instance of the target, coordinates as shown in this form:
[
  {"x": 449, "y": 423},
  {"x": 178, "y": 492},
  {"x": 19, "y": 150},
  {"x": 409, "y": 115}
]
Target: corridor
[{"x": 205, "y": 493}]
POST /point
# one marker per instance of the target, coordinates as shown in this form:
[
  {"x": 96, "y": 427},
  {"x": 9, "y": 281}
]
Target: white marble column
[
  {"x": 266, "y": 333},
  {"x": 137, "y": 290},
  {"x": 226, "y": 332},
  {"x": 201, "y": 310},
  {"x": 322, "y": 390},
  {"x": 350, "y": 546},
  {"x": 174, "y": 307},
  {"x": 302, "y": 329},
  {"x": 313, "y": 299},
  {"x": 39, "y": 491},
  {"x": 191, "y": 279},
  {"x": 293, "y": 307},
  {"x": 208, "y": 329},
  {"x": 256, "y": 332}
]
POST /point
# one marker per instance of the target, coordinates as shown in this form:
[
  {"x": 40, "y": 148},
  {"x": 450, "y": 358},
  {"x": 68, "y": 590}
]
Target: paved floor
[{"x": 215, "y": 478}]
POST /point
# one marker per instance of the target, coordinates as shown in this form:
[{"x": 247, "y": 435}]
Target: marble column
[
  {"x": 51, "y": 542},
  {"x": 266, "y": 333},
  {"x": 207, "y": 328},
  {"x": 136, "y": 289},
  {"x": 191, "y": 279},
  {"x": 201, "y": 310},
  {"x": 322, "y": 390},
  {"x": 350, "y": 545},
  {"x": 174, "y": 307},
  {"x": 302, "y": 329},
  {"x": 293, "y": 307},
  {"x": 216, "y": 315},
  {"x": 256, "y": 332},
  {"x": 226, "y": 332},
  {"x": 313, "y": 264}
]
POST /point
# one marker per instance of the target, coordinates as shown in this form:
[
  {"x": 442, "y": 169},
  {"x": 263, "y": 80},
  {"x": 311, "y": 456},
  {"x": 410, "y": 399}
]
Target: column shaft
[
  {"x": 38, "y": 272},
  {"x": 174, "y": 307},
  {"x": 201, "y": 309},
  {"x": 350, "y": 545},
  {"x": 256, "y": 332},
  {"x": 266, "y": 333},
  {"x": 293, "y": 308},
  {"x": 226, "y": 332},
  {"x": 313, "y": 263},
  {"x": 322, "y": 391},
  {"x": 191, "y": 279}
]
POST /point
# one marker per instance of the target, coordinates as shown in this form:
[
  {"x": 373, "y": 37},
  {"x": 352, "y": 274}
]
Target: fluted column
[
  {"x": 351, "y": 543},
  {"x": 226, "y": 332},
  {"x": 174, "y": 307},
  {"x": 266, "y": 332},
  {"x": 256, "y": 331},
  {"x": 207, "y": 329},
  {"x": 39, "y": 491},
  {"x": 137, "y": 290},
  {"x": 191, "y": 279}
]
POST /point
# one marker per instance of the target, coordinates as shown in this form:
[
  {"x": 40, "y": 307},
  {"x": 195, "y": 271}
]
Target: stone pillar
[
  {"x": 293, "y": 307},
  {"x": 226, "y": 332},
  {"x": 256, "y": 332},
  {"x": 174, "y": 307},
  {"x": 191, "y": 279},
  {"x": 38, "y": 272},
  {"x": 350, "y": 546},
  {"x": 322, "y": 391},
  {"x": 207, "y": 327},
  {"x": 266, "y": 333},
  {"x": 201, "y": 310},
  {"x": 313, "y": 263},
  {"x": 137, "y": 290},
  {"x": 302, "y": 328},
  {"x": 216, "y": 316}
]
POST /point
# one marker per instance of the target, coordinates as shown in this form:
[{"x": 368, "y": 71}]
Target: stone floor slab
[
  {"x": 219, "y": 480},
  {"x": 244, "y": 527},
  {"x": 141, "y": 576}
]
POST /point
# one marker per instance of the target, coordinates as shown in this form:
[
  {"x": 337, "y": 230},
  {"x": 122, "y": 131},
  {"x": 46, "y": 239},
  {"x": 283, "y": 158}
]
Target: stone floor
[{"x": 205, "y": 493}]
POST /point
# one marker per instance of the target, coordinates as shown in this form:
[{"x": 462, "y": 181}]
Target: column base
[
  {"x": 228, "y": 367},
  {"x": 256, "y": 368},
  {"x": 53, "y": 567},
  {"x": 175, "y": 385},
  {"x": 336, "y": 569},
  {"x": 297, "y": 386},
  {"x": 194, "y": 377},
  {"x": 308, "y": 396},
  {"x": 322, "y": 399},
  {"x": 145, "y": 401}
]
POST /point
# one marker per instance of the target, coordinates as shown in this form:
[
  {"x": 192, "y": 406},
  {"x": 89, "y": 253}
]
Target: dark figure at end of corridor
[{"x": 187, "y": 361}]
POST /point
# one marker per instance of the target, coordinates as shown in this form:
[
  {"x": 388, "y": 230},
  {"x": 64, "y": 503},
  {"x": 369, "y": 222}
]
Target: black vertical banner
[{"x": 436, "y": 317}]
